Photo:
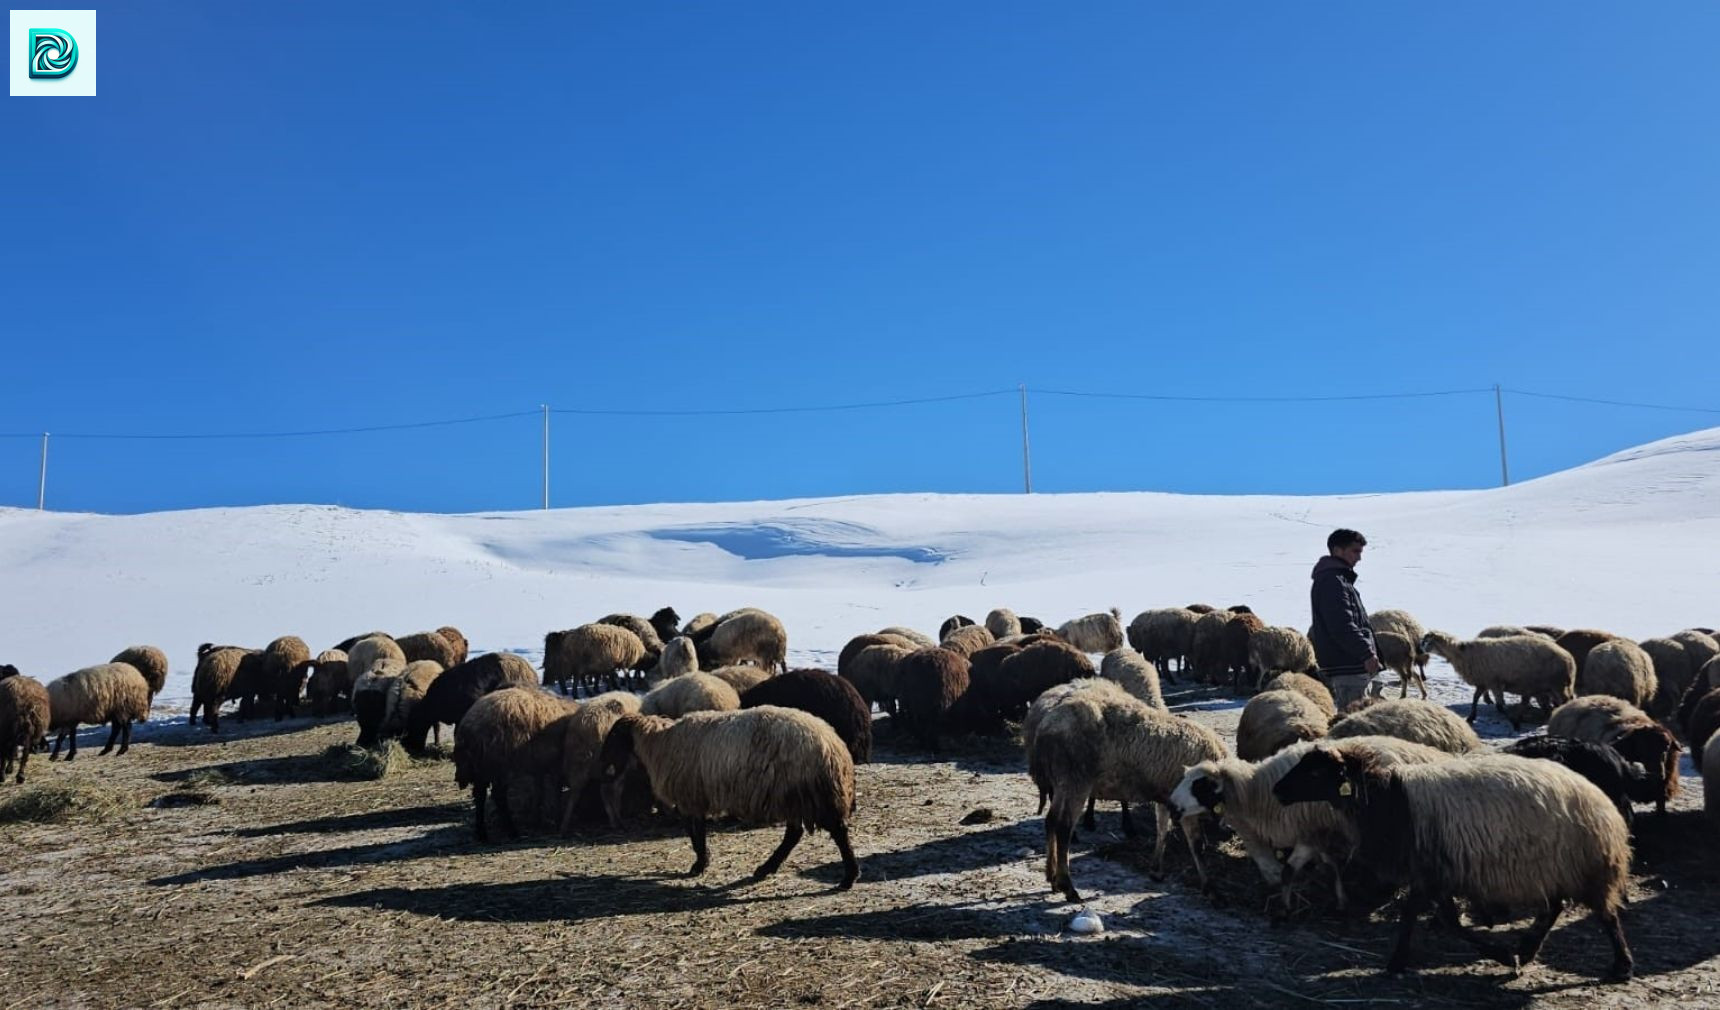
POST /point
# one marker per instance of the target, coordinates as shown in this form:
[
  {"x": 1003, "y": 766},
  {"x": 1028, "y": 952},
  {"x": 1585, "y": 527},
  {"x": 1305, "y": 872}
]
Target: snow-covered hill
[{"x": 1630, "y": 543}]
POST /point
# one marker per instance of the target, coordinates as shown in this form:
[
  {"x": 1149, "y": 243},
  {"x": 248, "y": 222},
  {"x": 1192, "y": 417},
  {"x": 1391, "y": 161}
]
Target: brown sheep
[
  {"x": 429, "y": 645},
  {"x": 24, "y": 717},
  {"x": 212, "y": 682},
  {"x": 1206, "y": 649},
  {"x": 1580, "y": 641},
  {"x": 966, "y": 641},
  {"x": 589, "y": 654},
  {"x": 513, "y": 731},
  {"x": 928, "y": 683},
  {"x": 286, "y": 662},
  {"x": 1233, "y": 646},
  {"x": 453, "y": 636},
  {"x": 149, "y": 661},
  {"x": 747, "y": 635}
]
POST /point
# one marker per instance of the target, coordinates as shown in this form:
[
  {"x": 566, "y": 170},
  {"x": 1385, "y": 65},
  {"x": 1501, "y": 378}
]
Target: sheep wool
[
  {"x": 516, "y": 731},
  {"x": 582, "y": 743},
  {"x": 1620, "y": 668},
  {"x": 1273, "y": 720},
  {"x": 1095, "y": 632},
  {"x": 1409, "y": 719},
  {"x": 1002, "y": 623},
  {"x": 695, "y": 692},
  {"x": 1306, "y": 686},
  {"x": 24, "y": 718},
  {"x": 112, "y": 693},
  {"x": 149, "y": 661},
  {"x": 1528, "y": 665},
  {"x": 1135, "y": 674}
]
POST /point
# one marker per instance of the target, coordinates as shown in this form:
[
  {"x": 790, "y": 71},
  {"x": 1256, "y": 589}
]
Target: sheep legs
[
  {"x": 499, "y": 790},
  {"x": 1190, "y": 828},
  {"x": 1059, "y": 826},
  {"x": 72, "y": 751},
  {"x": 1623, "y": 965},
  {"x": 1409, "y": 908},
  {"x": 114, "y": 733},
  {"x": 790, "y": 839},
  {"x": 850, "y": 865},
  {"x": 479, "y": 832},
  {"x": 701, "y": 853}
]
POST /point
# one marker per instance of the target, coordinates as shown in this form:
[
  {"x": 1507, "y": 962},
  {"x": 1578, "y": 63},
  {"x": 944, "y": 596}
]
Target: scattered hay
[
  {"x": 349, "y": 761},
  {"x": 59, "y": 802}
]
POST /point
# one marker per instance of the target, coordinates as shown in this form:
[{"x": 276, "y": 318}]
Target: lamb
[
  {"x": 1398, "y": 654},
  {"x": 1273, "y": 720},
  {"x": 1002, "y": 623},
  {"x": 1027, "y": 674},
  {"x": 582, "y": 745},
  {"x": 1408, "y": 719},
  {"x": 1622, "y": 669},
  {"x": 589, "y": 654},
  {"x": 826, "y": 696},
  {"x": 328, "y": 681},
  {"x": 428, "y": 645},
  {"x": 1307, "y": 687},
  {"x": 1240, "y": 792},
  {"x": 927, "y": 684},
  {"x": 695, "y": 692},
  {"x": 953, "y": 622},
  {"x": 1621, "y": 780},
  {"x": 1402, "y": 622},
  {"x": 912, "y": 637},
  {"x": 1234, "y": 639},
  {"x": 872, "y": 671},
  {"x": 405, "y": 693},
  {"x": 1498, "y": 830},
  {"x": 1671, "y": 671},
  {"x": 456, "y": 638},
  {"x": 1604, "y": 719},
  {"x": 217, "y": 671},
  {"x": 1163, "y": 635},
  {"x": 679, "y": 657},
  {"x": 765, "y": 765},
  {"x": 113, "y": 693},
  {"x": 1206, "y": 648},
  {"x": 458, "y": 688},
  {"x": 149, "y": 661},
  {"x": 286, "y": 661},
  {"x": 1094, "y": 632},
  {"x": 513, "y": 731},
  {"x": 741, "y": 678},
  {"x": 1579, "y": 641},
  {"x": 964, "y": 642},
  {"x": 25, "y": 712},
  {"x": 1527, "y": 665},
  {"x": 1281, "y": 648},
  {"x": 667, "y": 624},
  {"x": 1133, "y": 673},
  {"x": 1104, "y": 744},
  {"x": 748, "y": 635}
]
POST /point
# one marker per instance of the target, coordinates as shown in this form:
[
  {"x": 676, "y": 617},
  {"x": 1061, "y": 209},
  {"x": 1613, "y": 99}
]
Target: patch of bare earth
[{"x": 256, "y": 871}]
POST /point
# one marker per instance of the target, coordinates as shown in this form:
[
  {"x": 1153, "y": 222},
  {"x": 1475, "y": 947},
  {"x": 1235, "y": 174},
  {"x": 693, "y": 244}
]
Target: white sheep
[
  {"x": 112, "y": 693},
  {"x": 582, "y": 745},
  {"x": 1273, "y": 720},
  {"x": 1528, "y": 665},
  {"x": 1306, "y": 686},
  {"x": 1620, "y": 668},
  {"x": 1409, "y": 719},
  {"x": 679, "y": 657},
  {"x": 693, "y": 692},
  {"x": 1002, "y": 623},
  {"x": 1094, "y": 632},
  {"x": 1135, "y": 674},
  {"x": 1280, "y": 648}
]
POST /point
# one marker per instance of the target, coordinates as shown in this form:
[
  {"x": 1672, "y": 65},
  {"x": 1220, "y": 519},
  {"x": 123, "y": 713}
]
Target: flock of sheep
[{"x": 1400, "y": 788}]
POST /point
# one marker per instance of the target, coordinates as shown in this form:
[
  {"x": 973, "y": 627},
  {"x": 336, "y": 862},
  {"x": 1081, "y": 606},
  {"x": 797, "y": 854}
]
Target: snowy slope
[{"x": 1626, "y": 543}]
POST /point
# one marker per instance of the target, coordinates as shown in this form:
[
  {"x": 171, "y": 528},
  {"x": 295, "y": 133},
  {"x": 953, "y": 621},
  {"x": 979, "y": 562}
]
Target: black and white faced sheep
[
  {"x": 1623, "y": 781},
  {"x": 286, "y": 662},
  {"x": 328, "y": 681},
  {"x": 695, "y": 692},
  {"x": 826, "y": 696},
  {"x": 1527, "y": 665},
  {"x": 964, "y": 642},
  {"x": 458, "y": 689},
  {"x": 1095, "y": 632},
  {"x": 1104, "y": 744},
  {"x": 112, "y": 693},
  {"x": 1604, "y": 719},
  {"x": 1002, "y": 623},
  {"x": 24, "y": 716},
  {"x": 953, "y": 622},
  {"x": 1410, "y": 719},
  {"x": 1273, "y": 720},
  {"x": 667, "y": 624},
  {"x": 927, "y": 683},
  {"x": 1498, "y": 830},
  {"x": 516, "y": 731},
  {"x": 149, "y": 661},
  {"x": 590, "y": 655},
  {"x": 218, "y": 668},
  {"x": 763, "y": 766}
]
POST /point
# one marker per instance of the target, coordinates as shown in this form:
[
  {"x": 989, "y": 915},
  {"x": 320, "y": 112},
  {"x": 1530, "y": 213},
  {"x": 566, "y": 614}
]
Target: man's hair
[{"x": 1345, "y": 538}]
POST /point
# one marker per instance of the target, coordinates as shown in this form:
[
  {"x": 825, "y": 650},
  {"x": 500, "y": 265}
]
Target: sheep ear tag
[
  {"x": 1218, "y": 808},
  {"x": 1344, "y": 789}
]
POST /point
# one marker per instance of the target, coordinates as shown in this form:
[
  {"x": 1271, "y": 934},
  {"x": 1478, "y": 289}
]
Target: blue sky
[{"x": 279, "y": 217}]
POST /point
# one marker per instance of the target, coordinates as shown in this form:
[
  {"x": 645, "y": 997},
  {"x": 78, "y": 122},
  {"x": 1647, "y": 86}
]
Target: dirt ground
[{"x": 253, "y": 871}]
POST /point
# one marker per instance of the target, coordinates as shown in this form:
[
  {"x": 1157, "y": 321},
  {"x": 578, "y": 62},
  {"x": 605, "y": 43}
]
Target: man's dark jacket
[{"x": 1342, "y": 638}]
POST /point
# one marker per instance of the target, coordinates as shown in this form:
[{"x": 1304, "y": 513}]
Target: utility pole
[
  {"x": 1026, "y": 451},
  {"x": 545, "y": 407},
  {"x": 42, "y": 484},
  {"x": 1499, "y": 405}
]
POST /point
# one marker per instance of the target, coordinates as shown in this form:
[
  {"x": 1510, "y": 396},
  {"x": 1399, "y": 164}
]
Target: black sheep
[
  {"x": 1622, "y": 781},
  {"x": 824, "y": 695},
  {"x": 458, "y": 689}
]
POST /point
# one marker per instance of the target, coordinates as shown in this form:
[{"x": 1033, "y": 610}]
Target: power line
[
  {"x": 1612, "y": 403},
  {"x": 1258, "y": 399},
  {"x": 298, "y": 434},
  {"x": 784, "y": 410}
]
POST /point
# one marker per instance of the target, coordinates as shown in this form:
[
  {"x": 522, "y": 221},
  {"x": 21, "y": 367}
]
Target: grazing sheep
[
  {"x": 1002, "y": 623},
  {"x": 741, "y": 678},
  {"x": 1104, "y": 744},
  {"x": 370, "y": 702},
  {"x": 1604, "y": 719},
  {"x": 1306, "y": 686},
  {"x": 1579, "y": 641},
  {"x": 1503, "y": 631},
  {"x": 964, "y": 642},
  {"x": 645, "y": 630},
  {"x": 1094, "y": 632},
  {"x": 679, "y": 657},
  {"x": 589, "y": 655},
  {"x": 112, "y": 693},
  {"x": 1402, "y": 622},
  {"x": 1281, "y": 648},
  {"x": 1240, "y": 792},
  {"x": 953, "y": 622},
  {"x": 1622, "y": 669},
  {"x": 456, "y": 638},
  {"x": 1527, "y": 665},
  {"x": 909, "y": 635},
  {"x": 369, "y": 655},
  {"x": 1134, "y": 673},
  {"x": 1031, "y": 625},
  {"x": 1163, "y": 635},
  {"x": 1206, "y": 647},
  {"x": 858, "y": 642},
  {"x": 211, "y": 683},
  {"x": 826, "y": 696},
  {"x": 1498, "y": 830},
  {"x": 1027, "y": 674},
  {"x": 582, "y": 744},
  {"x": 459, "y": 687},
  {"x": 1622, "y": 781},
  {"x": 667, "y": 624},
  {"x": 699, "y": 626},
  {"x": 428, "y": 645},
  {"x": 286, "y": 662},
  {"x": 1698, "y": 645},
  {"x": 763, "y": 766},
  {"x": 149, "y": 661},
  {"x": 25, "y": 712},
  {"x": 872, "y": 671},
  {"x": 695, "y": 692},
  {"x": 1273, "y": 720},
  {"x": 328, "y": 681},
  {"x": 1408, "y": 719},
  {"x": 927, "y": 684},
  {"x": 1233, "y": 641},
  {"x": 747, "y": 636},
  {"x": 1398, "y": 654},
  {"x": 977, "y": 711},
  {"x": 513, "y": 731},
  {"x": 1671, "y": 672},
  {"x": 405, "y": 693}
]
